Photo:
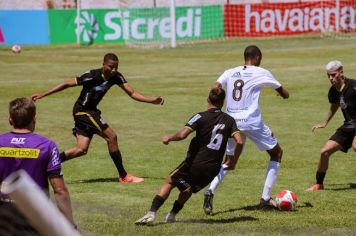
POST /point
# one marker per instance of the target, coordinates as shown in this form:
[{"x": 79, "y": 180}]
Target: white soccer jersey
[{"x": 243, "y": 85}]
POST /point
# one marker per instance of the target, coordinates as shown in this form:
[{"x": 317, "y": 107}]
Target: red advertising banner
[{"x": 272, "y": 19}]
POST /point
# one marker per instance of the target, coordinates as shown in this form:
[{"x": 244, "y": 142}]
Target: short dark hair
[
  {"x": 252, "y": 52},
  {"x": 217, "y": 97},
  {"x": 22, "y": 111},
  {"x": 110, "y": 56}
]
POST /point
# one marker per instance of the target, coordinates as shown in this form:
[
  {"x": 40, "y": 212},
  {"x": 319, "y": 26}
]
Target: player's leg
[
  {"x": 111, "y": 138},
  {"x": 341, "y": 140},
  {"x": 271, "y": 175},
  {"x": 229, "y": 164},
  {"x": 157, "y": 202},
  {"x": 354, "y": 143},
  {"x": 178, "y": 205},
  {"x": 80, "y": 149},
  {"x": 323, "y": 164},
  {"x": 86, "y": 124},
  {"x": 265, "y": 141}
]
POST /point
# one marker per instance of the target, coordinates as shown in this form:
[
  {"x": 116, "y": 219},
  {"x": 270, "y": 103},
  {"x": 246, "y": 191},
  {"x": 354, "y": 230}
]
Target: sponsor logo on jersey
[
  {"x": 55, "y": 157},
  {"x": 19, "y": 152},
  {"x": 248, "y": 75},
  {"x": 194, "y": 119},
  {"x": 18, "y": 140},
  {"x": 343, "y": 104},
  {"x": 102, "y": 87},
  {"x": 236, "y": 110},
  {"x": 236, "y": 75}
]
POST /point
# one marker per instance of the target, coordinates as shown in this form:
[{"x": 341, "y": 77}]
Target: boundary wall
[{"x": 59, "y": 26}]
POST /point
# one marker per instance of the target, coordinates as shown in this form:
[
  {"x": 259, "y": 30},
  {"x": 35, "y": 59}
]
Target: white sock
[
  {"x": 271, "y": 178},
  {"x": 152, "y": 213},
  {"x": 217, "y": 180}
]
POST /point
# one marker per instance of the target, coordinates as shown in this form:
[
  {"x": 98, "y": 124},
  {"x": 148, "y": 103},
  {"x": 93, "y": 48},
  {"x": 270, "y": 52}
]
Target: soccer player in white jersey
[{"x": 243, "y": 85}]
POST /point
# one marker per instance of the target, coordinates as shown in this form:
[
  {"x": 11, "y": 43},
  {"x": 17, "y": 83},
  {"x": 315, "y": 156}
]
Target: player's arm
[
  {"x": 333, "y": 109},
  {"x": 239, "y": 144},
  {"x": 282, "y": 92},
  {"x": 61, "y": 196},
  {"x": 180, "y": 135},
  {"x": 55, "y": 89},
  {"x": 140, "y": 97}
]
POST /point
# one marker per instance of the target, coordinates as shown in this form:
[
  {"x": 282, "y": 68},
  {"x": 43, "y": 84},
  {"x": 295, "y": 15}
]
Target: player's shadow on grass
[
  {"x": 212, "y": 221},
  {"x": 336, "y": 187},
  {"x": 257, "y": 208},
  {"x": 102, "y": 180},
  {"x": 88, "y": 181}
]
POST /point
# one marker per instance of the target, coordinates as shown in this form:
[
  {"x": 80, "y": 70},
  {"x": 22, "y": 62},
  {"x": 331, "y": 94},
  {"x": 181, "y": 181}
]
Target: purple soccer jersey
[{"x": 35, "y": 154}]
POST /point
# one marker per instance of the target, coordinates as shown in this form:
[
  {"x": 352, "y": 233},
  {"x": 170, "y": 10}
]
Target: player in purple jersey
[
  {"x": 342, "y": 94},
  {"x": 88, "y": 120},
  {"x": 36, "y": 154},
  {"x": 206, "y": 151}
]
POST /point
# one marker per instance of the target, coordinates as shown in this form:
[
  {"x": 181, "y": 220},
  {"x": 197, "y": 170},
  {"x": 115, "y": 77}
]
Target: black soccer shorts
[{"x": 88, "y": 123}]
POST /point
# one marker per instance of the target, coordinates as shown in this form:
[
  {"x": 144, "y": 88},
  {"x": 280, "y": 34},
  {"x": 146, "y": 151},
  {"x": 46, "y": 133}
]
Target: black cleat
[
  {"x": 208, "y": 202},
  {"x": 269, "y": 204}
]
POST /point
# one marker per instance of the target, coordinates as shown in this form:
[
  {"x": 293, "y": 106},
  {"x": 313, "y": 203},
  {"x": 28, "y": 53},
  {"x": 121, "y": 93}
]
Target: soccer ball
[
  {"x": 286, "y": 200},
  {"x": 16, "y": 49}
]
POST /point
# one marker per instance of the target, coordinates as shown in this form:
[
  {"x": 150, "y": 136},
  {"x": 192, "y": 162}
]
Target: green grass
[{"x": 183, "y": 76}]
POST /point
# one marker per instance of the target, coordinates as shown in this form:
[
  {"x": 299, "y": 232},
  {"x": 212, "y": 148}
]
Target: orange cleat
[
  {"x": 315, "y": 187},
  {"x": 129, "y": 178}
]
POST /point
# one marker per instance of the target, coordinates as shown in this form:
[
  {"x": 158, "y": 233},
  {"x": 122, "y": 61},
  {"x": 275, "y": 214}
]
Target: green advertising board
[{"x": 144, "y": 25}]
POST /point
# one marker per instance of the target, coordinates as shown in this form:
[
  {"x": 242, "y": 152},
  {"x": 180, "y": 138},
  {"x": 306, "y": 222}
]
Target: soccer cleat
[
  {"x": 315, "y": 187},
  {"x": 129, "y": 178},
  {"x": 208, "y": 202},
  {"x": 170, "y": 217},
  {"x": 267, "y": 204},
  {"x": 146, "y": 219}
]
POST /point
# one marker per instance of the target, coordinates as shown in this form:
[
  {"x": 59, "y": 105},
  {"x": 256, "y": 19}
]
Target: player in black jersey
[
  {"x": 87, "y": 116},
  {"x": 202, "y": 163},
  {"x": 341, "y": 94}
]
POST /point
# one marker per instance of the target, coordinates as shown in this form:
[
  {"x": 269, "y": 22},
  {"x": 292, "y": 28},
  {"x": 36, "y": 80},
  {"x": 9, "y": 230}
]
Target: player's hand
[
  {"x": 158, "y": 100},
  {"x": 36, "y": 96},
  {"x": 318, "y": 126},
  {"x": 165, "y": 139}
]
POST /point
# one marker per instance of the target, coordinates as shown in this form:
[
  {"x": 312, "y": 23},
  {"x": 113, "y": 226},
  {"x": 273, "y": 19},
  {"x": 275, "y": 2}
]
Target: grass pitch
[{"x": 184, "y": 76}]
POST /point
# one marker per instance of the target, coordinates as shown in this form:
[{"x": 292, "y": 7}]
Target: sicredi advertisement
[
  {"x": 135, "y": 24},
  {"x": 24, "y": 27}
]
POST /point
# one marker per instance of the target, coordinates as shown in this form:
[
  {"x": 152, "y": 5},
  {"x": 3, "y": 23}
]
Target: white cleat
[{"x": 146, "y": 219}]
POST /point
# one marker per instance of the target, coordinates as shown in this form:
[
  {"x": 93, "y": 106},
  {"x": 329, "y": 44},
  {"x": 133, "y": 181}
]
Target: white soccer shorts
[{"x": 263, "y": 139}]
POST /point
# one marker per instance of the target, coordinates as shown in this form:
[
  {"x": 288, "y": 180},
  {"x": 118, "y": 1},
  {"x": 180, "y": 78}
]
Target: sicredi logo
[
  {"x": 18, "y": 140},
  {"x": 88, "y": 27}
]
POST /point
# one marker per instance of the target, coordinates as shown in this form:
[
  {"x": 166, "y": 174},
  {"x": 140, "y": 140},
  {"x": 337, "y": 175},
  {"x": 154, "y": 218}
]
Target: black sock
[
  {"x": 63, "y": 157},
  {"x": 117, "y": 159},
  {"x": 177, "y": 206},
  {"x": 320, "y": 177},
  {"x": 157, "y": 203}
]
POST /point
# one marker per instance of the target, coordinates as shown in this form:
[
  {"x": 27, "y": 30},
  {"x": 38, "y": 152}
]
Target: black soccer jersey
[
  {"x": 346, "y": 98},
  {"x": 213, "y": 128},
  {"x": 95, "y": 87}
]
